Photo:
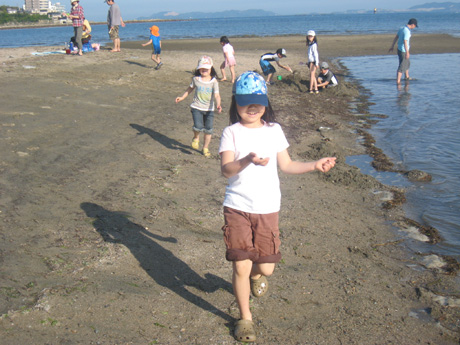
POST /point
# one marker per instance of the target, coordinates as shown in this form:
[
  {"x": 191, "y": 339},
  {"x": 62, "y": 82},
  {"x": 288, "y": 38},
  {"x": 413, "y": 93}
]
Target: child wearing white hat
[{"x": 313, "y": 59}]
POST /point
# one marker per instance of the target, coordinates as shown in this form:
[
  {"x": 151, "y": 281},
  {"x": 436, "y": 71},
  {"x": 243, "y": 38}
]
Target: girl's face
[
  {"x": 310, "y": 38},
  {"x": 205, "y": 72},
  {"x": 251, "y": 115}
]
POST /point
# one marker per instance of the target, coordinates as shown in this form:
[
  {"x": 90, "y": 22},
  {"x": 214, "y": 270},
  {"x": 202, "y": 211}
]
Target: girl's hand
[
  {"x": 219, "y": 108},
  {"x": 325, "y": 164},
  {"x": 257, "y": 160},
  {"x": 178, "y": 99}
]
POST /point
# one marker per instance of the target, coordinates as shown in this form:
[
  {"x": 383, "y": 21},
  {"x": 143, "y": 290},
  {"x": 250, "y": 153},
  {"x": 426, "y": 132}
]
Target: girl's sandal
[
  {"x": 244, "y": 331},
  {"x": 206, "y": 153},
  {"x": 195, "y": 144},
  {"x": 259, "y": 287}
]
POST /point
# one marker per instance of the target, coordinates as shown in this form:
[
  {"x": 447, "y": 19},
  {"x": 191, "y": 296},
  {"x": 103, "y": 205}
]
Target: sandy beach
[{"x": 110, "y": 222}]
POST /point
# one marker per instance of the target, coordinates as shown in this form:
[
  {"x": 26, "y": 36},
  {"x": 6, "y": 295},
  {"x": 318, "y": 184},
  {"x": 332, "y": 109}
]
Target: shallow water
[
  {"x": 323, "y": 24},
  {"x": 421, "y": 132}
]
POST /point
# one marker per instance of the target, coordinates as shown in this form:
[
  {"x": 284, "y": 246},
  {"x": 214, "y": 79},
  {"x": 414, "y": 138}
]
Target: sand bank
[{"x": 110, "y": 221}]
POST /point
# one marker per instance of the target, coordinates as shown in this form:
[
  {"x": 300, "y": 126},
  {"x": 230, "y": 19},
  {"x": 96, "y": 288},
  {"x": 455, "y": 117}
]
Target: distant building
[
  {"x": 57, "y": 8},
  {"x": 43, "y": 7}
]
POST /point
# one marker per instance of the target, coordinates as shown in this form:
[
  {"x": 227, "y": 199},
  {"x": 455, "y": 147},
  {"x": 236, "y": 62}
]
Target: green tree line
[{"x": 19, "y": 17}]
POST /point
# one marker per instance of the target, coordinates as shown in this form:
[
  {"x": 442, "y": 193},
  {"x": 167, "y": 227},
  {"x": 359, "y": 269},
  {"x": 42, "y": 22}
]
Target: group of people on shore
[
  {"x": 82, "y": 28},
  {"x": 326, "y": 78}
]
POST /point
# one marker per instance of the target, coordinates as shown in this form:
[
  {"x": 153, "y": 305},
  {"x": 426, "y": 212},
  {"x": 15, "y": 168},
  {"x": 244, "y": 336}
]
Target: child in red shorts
[{"x": 251, "y": 150}]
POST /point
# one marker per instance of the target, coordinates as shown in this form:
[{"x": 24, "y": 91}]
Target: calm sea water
[
  {"x": 326, "y": 24},
  {"x": 421, "y": 132}
]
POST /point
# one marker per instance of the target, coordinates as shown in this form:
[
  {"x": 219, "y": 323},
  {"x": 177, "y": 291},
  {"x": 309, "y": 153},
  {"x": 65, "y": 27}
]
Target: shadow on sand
[
  {"x": 166, "y": 269},
  {"x": 162, "y": 139}
]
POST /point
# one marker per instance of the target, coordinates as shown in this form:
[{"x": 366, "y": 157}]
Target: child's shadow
[
  {"x": 162, "y": 139},
  {"x": 161, "y": 264},
  {"x": 138, "y": 63}
]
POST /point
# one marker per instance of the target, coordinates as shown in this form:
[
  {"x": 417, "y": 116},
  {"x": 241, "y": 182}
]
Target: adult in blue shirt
[{"x": 403, "y": 38}]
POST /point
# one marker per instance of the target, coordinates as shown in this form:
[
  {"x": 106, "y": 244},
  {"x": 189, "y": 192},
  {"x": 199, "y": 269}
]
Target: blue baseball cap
[{"x": 250, "y": 88}]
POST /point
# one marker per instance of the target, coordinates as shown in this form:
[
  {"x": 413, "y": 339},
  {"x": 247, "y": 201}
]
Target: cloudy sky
[{"x": 131, "y": 9}]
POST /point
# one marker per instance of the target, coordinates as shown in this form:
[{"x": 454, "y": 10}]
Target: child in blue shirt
[{"x": 155, "y": 40}]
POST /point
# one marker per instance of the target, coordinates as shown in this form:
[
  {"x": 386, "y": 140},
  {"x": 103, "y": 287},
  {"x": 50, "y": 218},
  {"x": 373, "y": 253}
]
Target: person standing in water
[{"x": 403, "y": 39}]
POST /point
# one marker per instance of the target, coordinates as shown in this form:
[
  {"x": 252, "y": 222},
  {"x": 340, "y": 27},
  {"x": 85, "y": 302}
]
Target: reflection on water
[
  {"x": 420, "y": 132},
  {"x": 404, "y": 96}
]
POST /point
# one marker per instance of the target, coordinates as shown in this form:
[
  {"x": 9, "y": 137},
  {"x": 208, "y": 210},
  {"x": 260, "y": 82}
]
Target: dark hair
[
  {"x": 224, "y": 39},
  {"x": 213, "y": 72},
  {"x": 315, "y": 40},
  {"x": 234, "y": 117}
]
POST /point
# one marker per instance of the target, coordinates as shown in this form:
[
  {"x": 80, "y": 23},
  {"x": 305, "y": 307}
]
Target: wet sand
[{"x": 110, "y": 222}]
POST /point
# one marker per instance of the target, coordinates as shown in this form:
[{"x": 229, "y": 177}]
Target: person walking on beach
[
  {"x": 251, "y": 150},
  {"x": 206, "y": 96},
  {"x": 326, "y": 78},
  {"x": 229, "y": 58},
  {"x": 313, "y": 59},
  {"x": 78, "y": 16},
  {"x": 114, "y": 21},
  {"x": 267, "y": 67},
  {"x": 403, "y": 39},
  {"x": 155, "y": 40}
]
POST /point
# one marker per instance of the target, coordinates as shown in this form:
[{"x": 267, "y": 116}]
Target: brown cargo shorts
[
  {"x": 114, "y": 32},
  {"x": 251, "y": 236}
]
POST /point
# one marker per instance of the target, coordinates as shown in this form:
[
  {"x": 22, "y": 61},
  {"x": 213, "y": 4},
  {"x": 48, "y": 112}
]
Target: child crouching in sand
[{"x": 251, "y": 149}]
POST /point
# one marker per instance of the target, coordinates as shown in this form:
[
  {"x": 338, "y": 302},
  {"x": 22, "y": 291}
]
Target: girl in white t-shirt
[
  {"x": 206, "y": 98},
  {"x": 251, "y": 149},
  {"x": 229, "y": 56}
]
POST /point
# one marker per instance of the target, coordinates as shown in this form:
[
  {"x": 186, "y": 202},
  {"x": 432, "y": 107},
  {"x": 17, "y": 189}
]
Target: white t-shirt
[
  {"x": 256, "y": 189},
  {"x": 227, "y": 48},
  {"x": 313, "y": 55}
]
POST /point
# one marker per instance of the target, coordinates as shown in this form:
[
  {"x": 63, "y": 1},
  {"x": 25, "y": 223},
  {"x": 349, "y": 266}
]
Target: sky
[{"x": 96, "y": 10}]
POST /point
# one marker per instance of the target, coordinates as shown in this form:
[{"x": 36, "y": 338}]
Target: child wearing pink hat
[{"x": 206, "y": 98}]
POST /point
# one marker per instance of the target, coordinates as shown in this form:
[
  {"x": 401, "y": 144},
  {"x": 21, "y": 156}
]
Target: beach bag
[{"x": 87, "y": 47}]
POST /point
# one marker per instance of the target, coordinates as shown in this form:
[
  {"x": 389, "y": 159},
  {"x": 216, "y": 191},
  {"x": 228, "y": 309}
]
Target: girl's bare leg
[
  {"x": 232, "y": 71},
  {"x": 222, "y": 70},
  {"x": 262, "y": 269},
  {"x": 313, "y": 81},
  {"x": 207, "y": 140},
  {"x": 242, "y": 287}
]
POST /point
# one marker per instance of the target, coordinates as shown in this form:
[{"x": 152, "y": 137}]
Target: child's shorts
[
  {"x": 156, "y": 49},
  {"x": 251, "y": 236},
  {"x": 203, "y": 121},
  {"x": 231, "y": 61},
  {"x": 267, "y": 67}
]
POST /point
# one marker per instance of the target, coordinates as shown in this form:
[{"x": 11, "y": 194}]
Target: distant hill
[
  {"x": 201, "y": 15},
  {"x": 427, "y": 7},
  {"x": 438, "y": 7}
]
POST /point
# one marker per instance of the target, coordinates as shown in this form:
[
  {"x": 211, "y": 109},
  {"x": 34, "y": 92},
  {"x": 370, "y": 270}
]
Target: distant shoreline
[{"x": 51, "y": 25}]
